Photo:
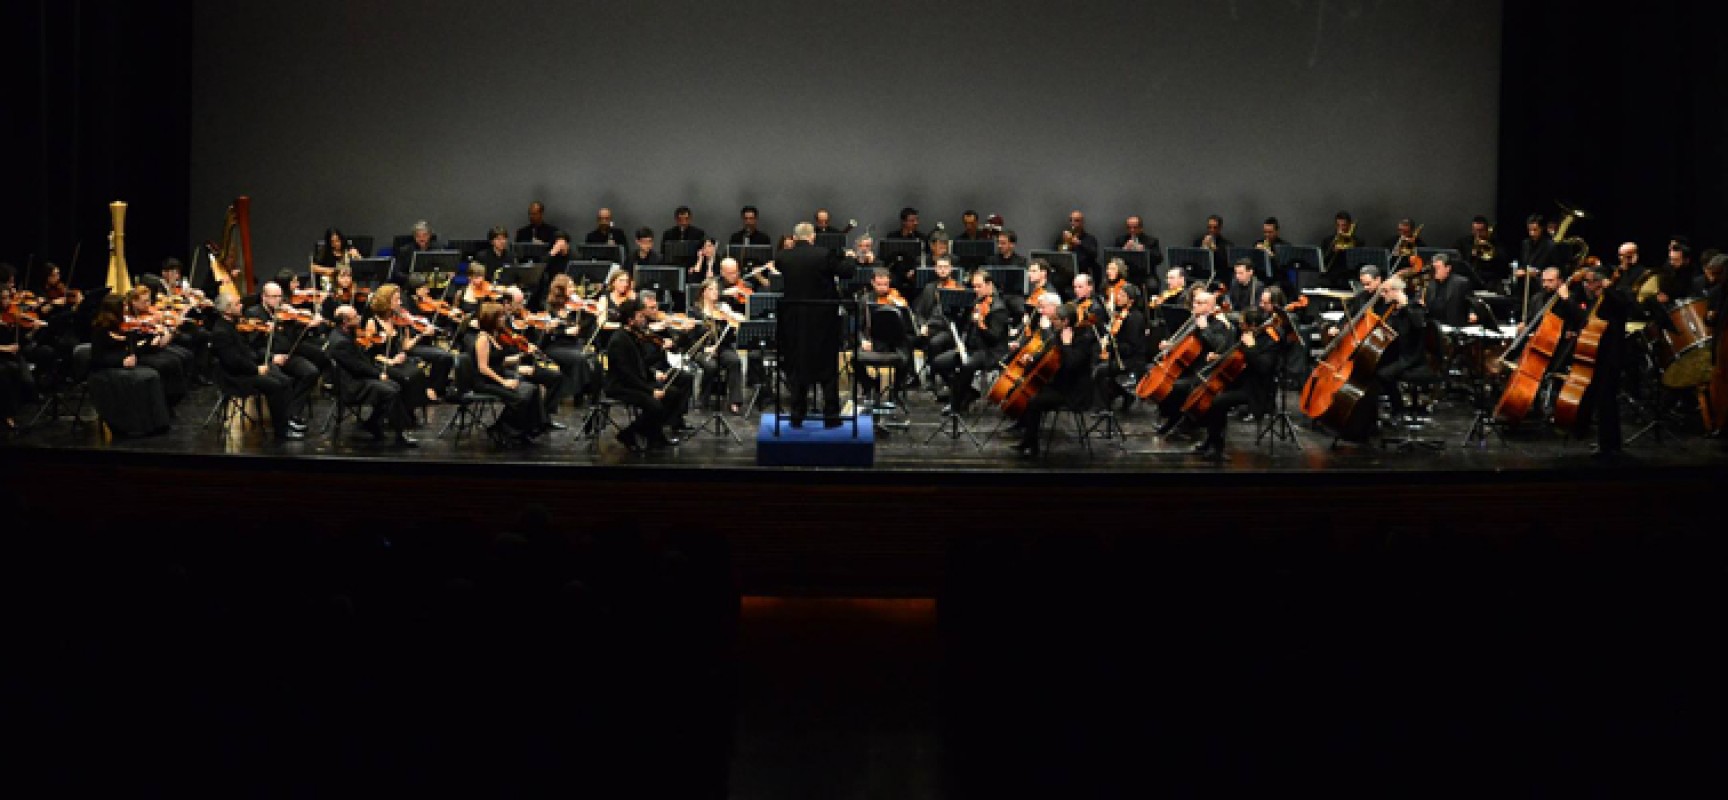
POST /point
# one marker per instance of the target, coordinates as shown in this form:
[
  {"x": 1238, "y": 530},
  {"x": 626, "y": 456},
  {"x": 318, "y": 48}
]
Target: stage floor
[{"x": 920, "y": 449}]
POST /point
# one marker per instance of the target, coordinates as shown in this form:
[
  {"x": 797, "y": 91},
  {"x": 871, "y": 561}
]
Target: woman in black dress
[{"x": 128, "y": 393}]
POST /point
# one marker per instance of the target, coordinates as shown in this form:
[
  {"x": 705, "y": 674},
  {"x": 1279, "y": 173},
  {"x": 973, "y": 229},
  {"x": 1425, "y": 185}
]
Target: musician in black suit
[
  {"x": 1244, "y": 290},
  {"x": 1136, "y": 238},
  {"x": 749, "y": 234},
  {"x": 1407, "y": 239},
  {"x": 643, "y": 253},
  {"x": 1405, "y": 360},
  {"x": 1601, "y": 398},
  {"x": 1261, "y": 356},
  {"x": 1333, "y": 247},
  {"x": 1214, "y": 333},
  {"x": 1483, "y": 256},
  {"x": 682, "y": 230},
  {"x": 1005, "y": 255},
  {"x": 1447, "y": 296},
  {"x": 808, "y": 331},
  {"x": 985, "y": 333},
  {"x": 1130, "y": 345},
  {"x": 497, "y": 256},
  {"x": 1084, "y": 245},
  {"x": 1214, "y": 240},
  {"x": 1537, "y": 250},
  {"x": 631, "y": 379},
  {"x": 247, "y": 368},
  {"x": 1070, "y": 387},
  {"x": 538, "y": 229},
  {"x": 365, "y": 382},
  {"x": 604, "y": 231}
]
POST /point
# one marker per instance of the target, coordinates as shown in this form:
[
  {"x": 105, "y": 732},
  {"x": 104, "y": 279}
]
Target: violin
[
  {"x": 352, "y": 295},
  {"x": 286, "y": 314},
  {"x": 144, "y": 325},
  {"x": 436, "y": 307},
  {"x": 307, "y": 297},
  {"x": 483, "y": 289},
  {"x": 677, "y": 322},
  {"x": 15, "y": 316},
  {"x": 419, "y": 325},
  {"x": 980, "y": 313},
  {"x": 513, "y": 339},
  {"x": 249, "y": 325},
  {"x": 369, "y": 339}
]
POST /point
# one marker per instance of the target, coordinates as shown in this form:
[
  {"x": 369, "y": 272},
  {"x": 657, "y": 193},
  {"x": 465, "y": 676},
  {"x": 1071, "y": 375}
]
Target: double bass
[
  {"x": 1345, "y": 375},
  {"x": 1533, "y": 363},
  {"x": 1028, "y": 371},
  {"x": 1713, "y": 395},
  {"x": 1568, "y": 404}
]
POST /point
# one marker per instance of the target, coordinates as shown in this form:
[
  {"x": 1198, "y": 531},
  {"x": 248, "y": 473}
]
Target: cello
[
  {"x": 1713, "y": 395},
  {"x": 1345, "y": 372},
  {"x": 1029, "y": 370},
  {"x": 1219, "y": 375},
  {"x": 1533, "y": 363},
  {"x": 1568, "y": 405},
  {"x": 1160, "y": 378}
]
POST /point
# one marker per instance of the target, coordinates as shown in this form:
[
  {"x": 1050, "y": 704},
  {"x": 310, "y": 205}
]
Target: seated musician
[
  {"x": 1244, "y": 290},
  {"x": 1116, "y": 278},
  {"x": 1447, "y": 295},
  {"x": 335, "y": 251},
  {"x": 1483, "y": 256},
  {"x": 343, "y": 292},
  {"x": 18, "y": 352},
  {"x": 1005, "y": 256},
  {"x": 1136, "y": 238},
  {"x": 366, "y": 381},
  {"x": 985, "y": 334},
  {"x": 524, "y": 416},
  {"x": 1122, "y": 345},
  {"x": 155, "y": 348},
  {"x": 682, "y": 230},
  {"x": 1407, "y": 239},
  {"x": 1169, "y": 309},
  {"x": 707, "y": 261},
  {"x": 1214, "y": 334},
  {"x": 643, "y": 253},
  {"x": 305, "y": 362},
  {"x": 397, "y": 340},
  {"x": 538, "y": 230},
  {"x": 1404, "y": 360},
  {"x": 1038, "y": 281},
  {"x": 569, "y": 342},
  {"x": 879, "y": 295},
  {"x": 620, "y": 287},
  {"x": 133, "y": 400},
  {"x": 631, "y": 380},
  {"x": 1261, "y": 353},
  {"x": 1369, "y": 277},
  {"x": 249, "y": 368},
  {"x": 497, "y": 255},
  {"x": 721, "y": 354},
  {"x": 534, "y": 366},
  {"x": 1071, "y": 386},
  {"x": 734, "y": 288},
  {"x": 932, "y": 336},
  {"x": 604, "y": 231},
  {"x": 422, "y": 241}
]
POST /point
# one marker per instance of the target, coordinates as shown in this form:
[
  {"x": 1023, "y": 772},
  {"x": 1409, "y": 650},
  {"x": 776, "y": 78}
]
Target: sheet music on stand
[
  {"x": 527, "y": 276},
  {"x": 970, "y": 254},
  {"x": 1262, "y": 261},
  {"x": 531, "y": 252},
  {"x": 666, "y": 282},
  {"x": 762, "y": 305},
  {"x": 750, "y": 255},
  {"x": 955, "y": 304},
  {"x": 895, "y": 250},
  {"x": 1059, "y": 261},
  {"x": 467, "y": 247},
  {"x": 833, "y": 240},
  {"x": 369, "y": 272},
  {"x": 682, "y": 253},
  {"x": 610, "y": 253},
  {"x": 1139, "y": 264},
  {"x": 1357, "y": 257},
  {"x": 591, "y": 273},
  {"x": 1008, "y": 278},
  {"x": 435, "y": 267}
]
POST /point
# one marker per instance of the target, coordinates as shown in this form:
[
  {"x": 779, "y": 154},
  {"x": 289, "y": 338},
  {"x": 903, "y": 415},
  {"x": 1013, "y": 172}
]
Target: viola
[
  {"x": 307, "y": 297},
  {"x": 357, "y": 294},
  {"x": 16, "y": 317},
  {"x": 483, "y": 289},
  {"x": 369, "y": 339},
  {"x": 144, "y": 325}
]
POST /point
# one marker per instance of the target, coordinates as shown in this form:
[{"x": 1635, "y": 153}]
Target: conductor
[{"x": 809, "y": 329}]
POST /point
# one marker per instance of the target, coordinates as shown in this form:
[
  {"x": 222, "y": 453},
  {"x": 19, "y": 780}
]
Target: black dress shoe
[
  {"x": 403, "y": 440},
  {"x": 1168, "y": 425},
  {"x": 557, "y": 426},
  {"x": 296, "y": 426},
  {"x": 291, "y": 435}
]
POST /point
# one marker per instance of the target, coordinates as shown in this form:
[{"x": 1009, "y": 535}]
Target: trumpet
[{"x": 1483, "y": 248}]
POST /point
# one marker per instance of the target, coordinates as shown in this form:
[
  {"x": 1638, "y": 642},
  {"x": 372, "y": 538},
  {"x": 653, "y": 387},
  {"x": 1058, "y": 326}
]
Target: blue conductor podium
[{"x": 814, "y": 445}]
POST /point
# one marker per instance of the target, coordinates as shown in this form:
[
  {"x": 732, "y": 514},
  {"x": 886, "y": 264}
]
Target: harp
[{"x": 230, "y": 260}]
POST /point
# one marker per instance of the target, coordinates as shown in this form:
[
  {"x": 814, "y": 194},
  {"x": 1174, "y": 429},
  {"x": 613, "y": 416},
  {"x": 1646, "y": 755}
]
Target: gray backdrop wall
[{"x": 371, "y": 115}]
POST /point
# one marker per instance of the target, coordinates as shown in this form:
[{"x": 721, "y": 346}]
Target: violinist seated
[
  {"x": 393, "y": 340},
  {"x": 193, "y": 310},
  {"x": 532, "y": 364},
  {"x": 631, "y": 380},
  {"x": 1214, "y": 333},
  {"x": 1446, "y": 298},
  {"x": 720, "y": 356},
  {"x": 343, "y": 292},
  {"x": 984, "y": 332},
  {"x": 734, "y": 288},
  {"x": 305, "y": 359},
  {"x": 153, "y": 343},
  {"x": 1122, "y": 344},
  {"x": 1404, "y": 361},
  {"x": 932, "y": 335},
  {"x": 249, "y": 369},
  {"x": 620, "y": 287},
  {"x": 477, "y": 291},
  {"x": 365, "y": 382},
  {"x": 444, "y": 316},
  {"x": 880, "y": 299},
  {"x": 130, "y": 395},
  {"x": 24, "y": 334},
  {"x": 497, "y": 374},
  {"x": 1070, "y": 387},
  {"x": 566, "y": 340},
  {"x": 1261, "y": 352},
  {"x": 439, "y": 361}
]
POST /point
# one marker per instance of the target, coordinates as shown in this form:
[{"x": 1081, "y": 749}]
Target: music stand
[
  {"x": 610, "y": 253},
  {"x": 592, "y": 273},
  {"x": 401, "y": 240},
  {"x": 890, "y": 354},
  {"x": 1297, "y": 261},
  {"x": 667, "y": 282},
  {"x": 682, "y": 252},
  {"x": 467, "y": 247},
  {"x": 758, "y": 335},
  {"x": 434, "y": 264},
  {"x": 971, "y": 254},
  {"x": 923, "y": 276},
  {"x": 1357, "y": 257},
  {"x": 525, "y": 275},
  {"x": 369, "y": 272},
  {"x": 1262, "y": 264},
  {"x": 1194, "y": 261},
  {"x": 896, "y": 251},
  {"x": 1008, "y": 278},
  {"x": 833, "y": 240},
  {"x": 531, "y": 252},
  {"x": 762, "y": 305},
  {"x": 860, "y": 280},
  {"x": 750, "y": 255}
]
